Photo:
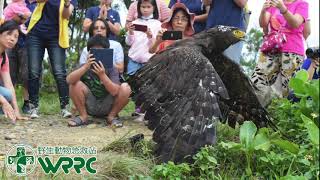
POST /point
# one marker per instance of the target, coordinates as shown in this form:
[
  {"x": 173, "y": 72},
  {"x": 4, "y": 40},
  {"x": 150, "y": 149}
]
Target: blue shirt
[
  {"x": 113, "y": 16},
  {"x": 48, "y": 26},
  {"x": 306, "y": 64},
  {"x": 225, "y": 12},
  {"x": 196, "y": 7}
]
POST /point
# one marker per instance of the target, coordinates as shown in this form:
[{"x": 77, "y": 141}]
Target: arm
[
  {"x": 111, "y": 87},
  {"x": 207, "y": 2},
  {"x": 306, "y": 30},
  {"x": 7, "y": 109},
  {"x": 241, "y": 3},
  {"x": 75, "y": 76},
  {"x": 8, "y": 84},
  {"x": 130, "y": 34},
  {"x": 202, "y": 17},
  {"x": 114, "y": 28},
  {"x": 86, "y": 24},
  {"x": 67, "y": 10},
  {"x": 294, "y": 20},
  {"x": 264, "y": 17},
  {"x": 119, "y": 58},
  {"x": 154, "y": 48}
]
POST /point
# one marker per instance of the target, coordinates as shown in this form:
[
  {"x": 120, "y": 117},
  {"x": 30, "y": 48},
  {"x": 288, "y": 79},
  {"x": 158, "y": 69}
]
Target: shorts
[
  {"x": 98, "y": 107},
  {"x": 18, "y": 65}
]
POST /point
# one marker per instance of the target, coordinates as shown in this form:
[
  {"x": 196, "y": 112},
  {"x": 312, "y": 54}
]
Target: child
[
  {"x": 139, "y": 41},
  {"x": 18, "y": 8}
]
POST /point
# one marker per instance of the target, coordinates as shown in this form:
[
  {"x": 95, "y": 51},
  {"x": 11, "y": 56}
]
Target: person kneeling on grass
[{"x": 95, "y": 91}]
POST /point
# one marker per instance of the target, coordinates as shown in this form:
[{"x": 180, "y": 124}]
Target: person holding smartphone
[
  {"x": 95, "y": 90},
  {"x": 181, "y": 20}
]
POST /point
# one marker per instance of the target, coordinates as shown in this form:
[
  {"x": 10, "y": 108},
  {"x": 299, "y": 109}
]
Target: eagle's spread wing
[
  {"x": 243, "y": 103},
  {"x": 180, "y": 96}
]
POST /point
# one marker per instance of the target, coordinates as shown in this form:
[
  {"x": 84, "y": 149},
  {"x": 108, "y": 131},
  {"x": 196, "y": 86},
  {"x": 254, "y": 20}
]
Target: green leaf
[
  {"x": 230, "y": 145},
  {"x": 313, "y": 130},
  {"x": 298, "y": 87},
  {"x": 302, "y": 75},
  {"x": 261, "y": 142},
  {"x": 286, "y": 145},
  {"x": 247, "y": 133},
  {"x": 293, "y": 178}
]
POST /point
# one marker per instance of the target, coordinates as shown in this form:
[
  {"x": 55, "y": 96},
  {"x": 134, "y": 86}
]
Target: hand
[
  {"x": 98, "y": 68},
  {"x": 19, "y": 117},
  {"x": 9, "y": 112},
  {"x": 315, "y": 63},
  {"x": 266, "y": 5},
  {"x": 90, "y": 61},
  {"x": 130, "y": 28},
  {"x": 160, "y": 34},
  {"x": 278, "y": 4},
  {"x": 207, "y": 2},
  {"x": 103, "y": 12},
  {"x": 149, "y": 33}
]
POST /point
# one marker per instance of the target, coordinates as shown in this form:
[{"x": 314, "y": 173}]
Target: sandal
[
  {"x": 78, "y": 122},
  {"x": 116, "y": 123}
]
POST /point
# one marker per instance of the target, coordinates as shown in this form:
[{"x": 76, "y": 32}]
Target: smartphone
[
  {"x": 138, "y": 27},
  {"x": 104, "y": 55},
  {"x": 172, "y": 35}
]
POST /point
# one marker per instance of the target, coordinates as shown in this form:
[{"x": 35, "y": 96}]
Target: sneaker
[
  {"x": 26, "y": 107},
  {"x": 139, "y": 117},
  {"x": 34, "y": 113},
  {"x": 65, "y": 113},
  {"x": 137, "y": 112}
]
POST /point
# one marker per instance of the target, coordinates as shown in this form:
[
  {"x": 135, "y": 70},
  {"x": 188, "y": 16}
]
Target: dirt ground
[{"x": 53, "y": 131}]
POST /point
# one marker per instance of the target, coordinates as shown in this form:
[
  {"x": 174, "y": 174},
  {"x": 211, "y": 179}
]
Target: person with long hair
[{"x": 9, "y": 33}]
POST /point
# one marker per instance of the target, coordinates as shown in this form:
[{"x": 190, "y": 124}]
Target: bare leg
[
  {"x": 78, "y": 92},
  {"x": 121, "y": 100}
]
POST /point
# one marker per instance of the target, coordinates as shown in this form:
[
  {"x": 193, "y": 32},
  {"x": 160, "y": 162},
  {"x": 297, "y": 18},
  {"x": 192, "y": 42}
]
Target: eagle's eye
[{"x": 238, "y": 34}]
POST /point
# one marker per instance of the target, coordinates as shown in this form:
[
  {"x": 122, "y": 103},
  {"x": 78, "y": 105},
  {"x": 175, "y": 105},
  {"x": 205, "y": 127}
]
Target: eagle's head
[{"x": 219, "y": 38}]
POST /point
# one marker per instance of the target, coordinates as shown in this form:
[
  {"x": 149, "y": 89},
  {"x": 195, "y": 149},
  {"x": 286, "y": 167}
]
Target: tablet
[{"x": 104, "y": 55}]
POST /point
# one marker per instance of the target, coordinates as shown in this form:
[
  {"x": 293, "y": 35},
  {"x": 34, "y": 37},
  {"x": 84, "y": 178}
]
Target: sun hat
[{"x": 189, "y": 30}]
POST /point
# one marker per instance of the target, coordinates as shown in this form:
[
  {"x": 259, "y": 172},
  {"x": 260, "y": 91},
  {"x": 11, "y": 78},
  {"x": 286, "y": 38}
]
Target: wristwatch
[{"x": 107, "y": 19}]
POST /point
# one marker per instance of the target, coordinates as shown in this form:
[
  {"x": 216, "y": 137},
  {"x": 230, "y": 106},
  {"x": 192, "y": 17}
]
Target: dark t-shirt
[
  {"x": 113, "y": 16},
  {"x": 48, "y": 25},
  {"x": 225, "y": 12},
  {"x": 196, "y": 7},
  {"x": 94, "y": 84}
]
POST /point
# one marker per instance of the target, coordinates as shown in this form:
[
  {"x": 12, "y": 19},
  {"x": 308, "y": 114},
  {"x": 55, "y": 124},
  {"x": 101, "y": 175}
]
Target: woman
[
  {"x": 9, "y": 33},
  {"x": 181, "y": 20},
  {"x": 274, "y": 70},
  {"x": 103, "y": 11},
  {"x": 100, "y": 26},
  {"x": 48, "y": 29},
  {"x": 199, "y": 9}
]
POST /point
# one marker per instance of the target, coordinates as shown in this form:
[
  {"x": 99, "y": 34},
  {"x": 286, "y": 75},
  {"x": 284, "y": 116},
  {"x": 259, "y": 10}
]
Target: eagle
[{"x": 186, "y": 89}]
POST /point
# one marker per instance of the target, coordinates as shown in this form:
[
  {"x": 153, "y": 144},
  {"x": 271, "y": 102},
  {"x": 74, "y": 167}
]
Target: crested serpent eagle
[{"x": 186, "y": 89}]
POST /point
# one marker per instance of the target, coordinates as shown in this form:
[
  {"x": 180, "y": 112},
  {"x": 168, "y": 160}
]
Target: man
[
  {"x": 95, "y": 93},
  {"x": 228, "y": 13}
]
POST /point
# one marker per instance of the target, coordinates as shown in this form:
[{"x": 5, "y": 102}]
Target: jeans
[
  {"x": 6, "y": 93},
  {"x": 36, "y": 47}
]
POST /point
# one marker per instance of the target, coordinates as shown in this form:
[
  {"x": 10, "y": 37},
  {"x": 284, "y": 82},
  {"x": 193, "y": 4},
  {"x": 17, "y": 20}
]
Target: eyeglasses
[
  {"x": 99, "y": 27},
  {"x": 182, "y": 19}
]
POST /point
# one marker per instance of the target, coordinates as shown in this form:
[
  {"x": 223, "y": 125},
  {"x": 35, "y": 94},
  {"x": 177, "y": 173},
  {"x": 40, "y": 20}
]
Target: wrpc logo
[{"x": 22, "y": 159}]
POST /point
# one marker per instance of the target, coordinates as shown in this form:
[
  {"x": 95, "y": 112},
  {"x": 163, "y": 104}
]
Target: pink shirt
[
  {"x": 5, "y": 67},
  {"x": 16, "y": 8},
  {"x": 163, "y": 11},
  {"x": 294, "y": 37},
  {"x": 140, "y": 43}
]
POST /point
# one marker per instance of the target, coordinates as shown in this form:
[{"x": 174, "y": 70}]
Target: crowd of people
[{"x": 33, "y": 26}]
